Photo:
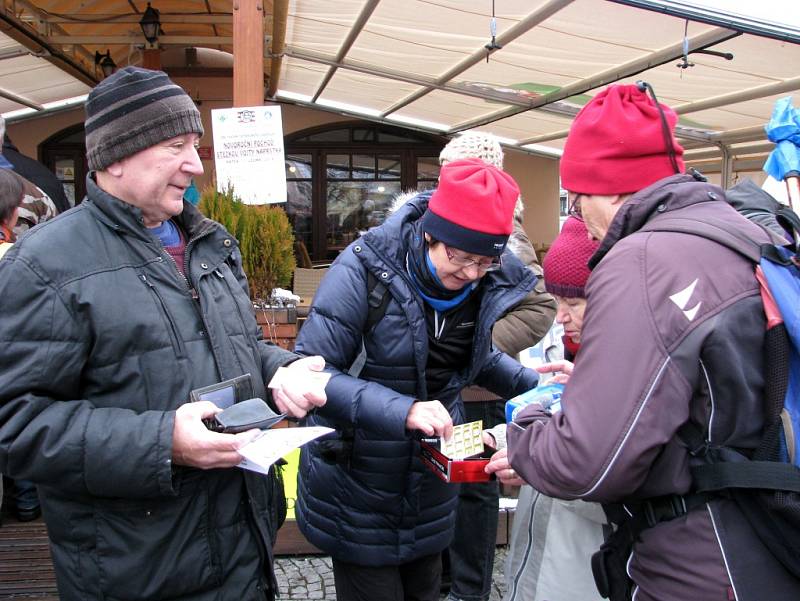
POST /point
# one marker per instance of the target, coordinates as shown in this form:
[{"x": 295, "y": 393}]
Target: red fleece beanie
[
  {"x": 472, "y": 209},
  {"x": 616, "y": 144},
  {"x": 565, "y": 264}
]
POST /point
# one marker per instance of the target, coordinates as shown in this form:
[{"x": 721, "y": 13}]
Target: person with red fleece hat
[
  {"x": 440, "y": 270},
  {"x": 673, "y": 335}
]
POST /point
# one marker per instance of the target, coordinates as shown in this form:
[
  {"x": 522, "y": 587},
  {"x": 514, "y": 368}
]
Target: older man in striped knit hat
[{"x": 111, "y": 316}]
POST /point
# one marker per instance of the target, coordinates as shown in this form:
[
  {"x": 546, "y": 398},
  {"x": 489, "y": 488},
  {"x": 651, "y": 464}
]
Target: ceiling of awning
[
  {"x": 28, "y": 80},
  {"x": 423, "y": 63}
]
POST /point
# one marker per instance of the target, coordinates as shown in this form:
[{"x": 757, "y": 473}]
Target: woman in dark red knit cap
[
  {"x": 552, "y": 541},
  {"x": 566, "y": 271}
]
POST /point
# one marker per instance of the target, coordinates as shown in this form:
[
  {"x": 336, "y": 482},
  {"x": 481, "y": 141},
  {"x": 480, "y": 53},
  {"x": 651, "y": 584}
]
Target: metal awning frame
[{"x": 43, "y": 34}]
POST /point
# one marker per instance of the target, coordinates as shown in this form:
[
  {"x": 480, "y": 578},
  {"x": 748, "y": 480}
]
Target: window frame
[{"x": 418, "y": 145}]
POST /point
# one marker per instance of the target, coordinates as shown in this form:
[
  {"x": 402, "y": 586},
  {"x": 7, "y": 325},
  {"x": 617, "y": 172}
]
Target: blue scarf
[{"x": 423, "y": 274}]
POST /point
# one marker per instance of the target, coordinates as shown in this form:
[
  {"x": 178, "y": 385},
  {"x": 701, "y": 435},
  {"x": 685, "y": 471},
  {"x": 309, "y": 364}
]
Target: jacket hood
[
  {"x": 384, "y": 239},
  {"x": 756, "y": 204}
]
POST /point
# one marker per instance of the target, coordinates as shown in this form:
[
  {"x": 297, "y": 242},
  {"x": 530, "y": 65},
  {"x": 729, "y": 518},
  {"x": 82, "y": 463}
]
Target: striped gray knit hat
[{"x": 134, "y": 109}]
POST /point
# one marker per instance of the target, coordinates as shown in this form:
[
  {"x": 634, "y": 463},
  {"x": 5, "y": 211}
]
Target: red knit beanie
[
  {"x": 565, "y": 264},
  {"x": 472, "y": 209},
  {"x": 616, "y": 144}
]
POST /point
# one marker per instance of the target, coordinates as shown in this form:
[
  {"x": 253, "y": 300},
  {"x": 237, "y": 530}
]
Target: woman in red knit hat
[
  {"x": 439, "y": 269},
  {"x": 566, "y": 271}
]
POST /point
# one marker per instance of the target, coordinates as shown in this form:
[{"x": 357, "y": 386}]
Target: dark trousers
[
  {"x": 472, "y": 550},
  {"x": 20, "y": 494},
  {"x": 25, "y": 495},
  {"x": 416, "y": 580}
]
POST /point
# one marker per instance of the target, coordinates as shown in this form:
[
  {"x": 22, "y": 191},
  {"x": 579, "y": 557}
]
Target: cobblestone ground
[{"x": 311, "y": 577}]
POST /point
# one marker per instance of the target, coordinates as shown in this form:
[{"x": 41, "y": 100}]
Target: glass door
[
  {"x": 65, "y": 172},
  {"x": 360, "y": 192},
  {"x": 64, "y": 153}
]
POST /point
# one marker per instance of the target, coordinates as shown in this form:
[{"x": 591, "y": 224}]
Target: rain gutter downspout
[{"x": 277, "y": 44}]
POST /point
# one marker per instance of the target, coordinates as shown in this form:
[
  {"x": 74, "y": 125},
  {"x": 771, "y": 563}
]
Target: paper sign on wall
[{"x": 248, "y": 153}]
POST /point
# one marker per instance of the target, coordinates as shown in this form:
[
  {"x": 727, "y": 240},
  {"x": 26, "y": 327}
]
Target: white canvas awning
[
  {"x": 27, "y": 79},
  {"x": 423, "y": 63}
]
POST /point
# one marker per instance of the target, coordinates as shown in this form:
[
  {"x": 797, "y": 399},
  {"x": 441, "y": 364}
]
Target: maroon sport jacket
[{"x": 673, "y": 331}]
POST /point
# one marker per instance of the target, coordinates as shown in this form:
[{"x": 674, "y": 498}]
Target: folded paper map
[{"x": 273, "y": 444}]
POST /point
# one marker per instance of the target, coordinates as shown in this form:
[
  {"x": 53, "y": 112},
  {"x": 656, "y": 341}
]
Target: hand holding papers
[
  {"x": 303, "y": 380},
  {"x": 296, "y": 389}
]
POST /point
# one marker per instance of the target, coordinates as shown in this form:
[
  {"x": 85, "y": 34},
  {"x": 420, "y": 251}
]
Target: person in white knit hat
[
  {"x": 473, "y": 144},
  {"x": 471, "y": 554}
]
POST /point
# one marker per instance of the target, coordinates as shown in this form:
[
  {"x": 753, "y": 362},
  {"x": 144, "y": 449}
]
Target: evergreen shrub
[{"x": 265, "y": 239}]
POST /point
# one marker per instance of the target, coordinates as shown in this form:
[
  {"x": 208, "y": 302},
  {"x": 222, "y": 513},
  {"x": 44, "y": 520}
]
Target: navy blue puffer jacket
[{"x": 382, "y": 506}]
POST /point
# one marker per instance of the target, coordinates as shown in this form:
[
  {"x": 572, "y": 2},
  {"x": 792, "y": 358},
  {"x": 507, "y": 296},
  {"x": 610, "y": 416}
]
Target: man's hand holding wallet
[{"x": 209, "y": 431}]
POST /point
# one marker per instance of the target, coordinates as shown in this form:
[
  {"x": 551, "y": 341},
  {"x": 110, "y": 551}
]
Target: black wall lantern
[
  {"x": 105, "y": 62},
  {"x": 150, "y": 24}
]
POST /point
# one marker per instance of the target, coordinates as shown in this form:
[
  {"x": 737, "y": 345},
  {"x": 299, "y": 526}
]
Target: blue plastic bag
[{"x": 783, "y": 129}]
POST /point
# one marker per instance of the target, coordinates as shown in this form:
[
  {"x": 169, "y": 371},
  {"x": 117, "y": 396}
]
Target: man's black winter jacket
[{"x": 102, "y": 339}]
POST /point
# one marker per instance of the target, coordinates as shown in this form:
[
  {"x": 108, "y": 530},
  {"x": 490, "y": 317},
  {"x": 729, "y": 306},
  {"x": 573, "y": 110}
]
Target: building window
[
  {"x": 342, "y": 180},
  {"x": 563, "y": 204}
]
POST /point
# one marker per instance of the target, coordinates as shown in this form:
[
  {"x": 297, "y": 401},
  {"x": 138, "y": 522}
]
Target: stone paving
[{"x": 303, "y": 578}]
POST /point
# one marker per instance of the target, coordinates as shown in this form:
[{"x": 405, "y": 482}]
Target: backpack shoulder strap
[
  {"x": 721, "y": 475},
  {"x": 377, "y": 301}
]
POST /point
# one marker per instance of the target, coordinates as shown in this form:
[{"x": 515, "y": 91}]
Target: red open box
[{"x": 455, "y": 470}]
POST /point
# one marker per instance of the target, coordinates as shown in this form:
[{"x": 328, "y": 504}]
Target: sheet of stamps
[{"x": 465, "y": 442}]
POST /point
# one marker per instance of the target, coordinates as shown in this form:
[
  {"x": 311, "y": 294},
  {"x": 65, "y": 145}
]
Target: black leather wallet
[
  {"x": 225, "y": 394},
  {"x": 247, "y": 415}
]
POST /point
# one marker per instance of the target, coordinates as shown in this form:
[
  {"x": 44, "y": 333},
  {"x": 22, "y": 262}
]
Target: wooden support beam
[
  {"x": 223, "y": 72},
  {"x": 248, "y": 52},
  {"x": 127, "y": 40},
  {"x": 277, "y": 44},
  {"x": 82, "y": 18},
  {"x": 77, "y": 66}
]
